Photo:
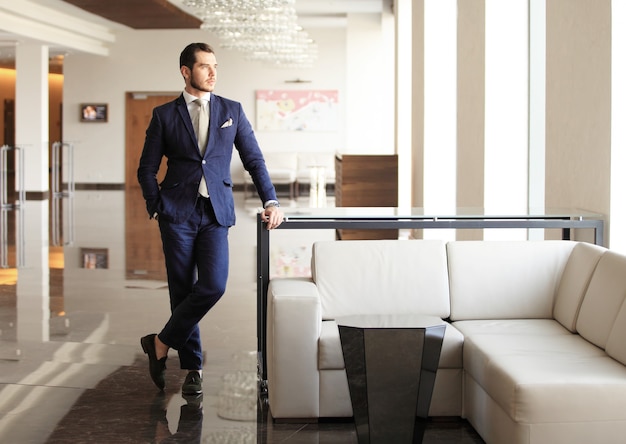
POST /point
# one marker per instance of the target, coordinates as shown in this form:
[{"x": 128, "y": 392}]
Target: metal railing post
[
  {"x": 6, "y": 205},
  {"x": 4, "y": 177},
  {"x": 57, "y": 171},
  {"x": 65, "y": 151}
]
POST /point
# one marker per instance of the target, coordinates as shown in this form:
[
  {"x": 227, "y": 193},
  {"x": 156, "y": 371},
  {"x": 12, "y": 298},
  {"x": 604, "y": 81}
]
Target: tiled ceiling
[{"x": 140, "y": 14}]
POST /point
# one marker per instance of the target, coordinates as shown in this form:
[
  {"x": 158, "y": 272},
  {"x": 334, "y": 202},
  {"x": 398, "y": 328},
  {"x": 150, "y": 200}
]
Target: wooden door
[{"x": 144, "y": 252}]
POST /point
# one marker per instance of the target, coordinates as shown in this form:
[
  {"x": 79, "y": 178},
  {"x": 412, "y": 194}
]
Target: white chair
[
  {"x": 308, "y": 160},
  {"x": 282, "y": 168}
]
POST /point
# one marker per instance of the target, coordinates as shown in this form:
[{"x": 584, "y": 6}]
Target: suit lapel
[
  {"x": 215, "y": 116},
  {"x": 183, "y": 112}
]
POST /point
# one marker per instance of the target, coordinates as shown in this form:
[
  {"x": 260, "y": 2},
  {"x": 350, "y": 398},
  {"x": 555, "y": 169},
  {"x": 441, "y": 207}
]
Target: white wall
[
  {"x": 143, "y": 61},
  {"x": 370, "y": 89},
  {"x": 618, "y": 130}
]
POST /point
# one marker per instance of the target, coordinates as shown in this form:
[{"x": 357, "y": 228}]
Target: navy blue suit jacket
[{"x": 171, "y": 134}]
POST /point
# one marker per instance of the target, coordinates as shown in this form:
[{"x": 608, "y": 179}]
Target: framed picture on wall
[
  {"x": 94, "y": 257},
  {"x": 94, "y": 112},
  {"x": 297, "y": 110}
]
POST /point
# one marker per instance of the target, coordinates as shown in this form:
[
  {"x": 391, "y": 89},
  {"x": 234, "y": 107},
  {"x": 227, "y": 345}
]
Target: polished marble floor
[{"x": 79, "y": 287}]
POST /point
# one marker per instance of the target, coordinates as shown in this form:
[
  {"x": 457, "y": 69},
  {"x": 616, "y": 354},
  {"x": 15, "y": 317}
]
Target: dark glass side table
[{"x": 391, "y": 362}]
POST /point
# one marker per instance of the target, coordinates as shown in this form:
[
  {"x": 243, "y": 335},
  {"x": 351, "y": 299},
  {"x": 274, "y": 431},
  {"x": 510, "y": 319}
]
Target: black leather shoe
[
  {"x": 192, "y": 384},
  {"x": 194, "y": 402},
  {"x": 157, "y": 366}
]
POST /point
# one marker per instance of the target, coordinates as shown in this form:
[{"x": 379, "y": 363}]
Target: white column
[
  {"x": 506, "y": 111},
  {"x": 617, "y": 233},
  {"x": 440, "y": 110},
  {"x": 537, "y": 111},
  {"x": 31, "y": 113},
  {"x": 368, "y": 87},
  {"x": 33, "y": 278},
  {"x": 404, "y": 101}
]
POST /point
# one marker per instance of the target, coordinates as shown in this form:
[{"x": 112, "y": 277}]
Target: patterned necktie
[{"x": 202, "y": 132}]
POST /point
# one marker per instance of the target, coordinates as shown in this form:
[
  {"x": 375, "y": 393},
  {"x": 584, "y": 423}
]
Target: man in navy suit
[{"x": 194, "y": 204}]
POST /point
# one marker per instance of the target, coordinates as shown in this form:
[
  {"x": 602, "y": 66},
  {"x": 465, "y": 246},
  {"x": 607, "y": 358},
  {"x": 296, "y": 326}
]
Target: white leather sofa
[{"x": 535, "y": 343}]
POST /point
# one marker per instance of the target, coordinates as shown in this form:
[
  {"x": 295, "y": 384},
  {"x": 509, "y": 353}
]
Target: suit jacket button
[{"x": 203, "y": 161}]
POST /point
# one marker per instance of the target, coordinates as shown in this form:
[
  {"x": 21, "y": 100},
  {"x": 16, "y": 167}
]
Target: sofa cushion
[
  {"x": 547, "y": 378},
  {"x": 505, "y": 279},
  {"x": 574, "y": 282},
  {"x": 604, "y": 299},
  {"x": 331, "y": 355},
  {"x": 381, "y": 277},
  {"x": 511, "y": 327},
  {"x": 616, "y": 345}
]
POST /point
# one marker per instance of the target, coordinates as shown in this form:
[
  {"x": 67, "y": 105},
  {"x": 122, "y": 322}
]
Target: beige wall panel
[
  {"x": 418, "y": 103},
  {"x": 578, "y": 105},
  {"x": 417, "y": 111},
  {"x": 471, "y": 109}
]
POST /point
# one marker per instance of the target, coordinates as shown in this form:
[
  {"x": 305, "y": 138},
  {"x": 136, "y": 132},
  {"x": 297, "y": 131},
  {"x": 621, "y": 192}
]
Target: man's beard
[{"x": 198, "y": 87}]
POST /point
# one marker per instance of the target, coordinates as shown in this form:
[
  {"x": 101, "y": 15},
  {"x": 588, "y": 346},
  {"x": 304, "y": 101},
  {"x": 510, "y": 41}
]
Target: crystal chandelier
[
  {"x": 265, "y": 30},
  {"x": 298, "y": 51}
]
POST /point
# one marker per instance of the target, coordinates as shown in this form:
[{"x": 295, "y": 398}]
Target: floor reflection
[
  {"x": 144, "y": 253},
  {"x": 71, "y": 367}
]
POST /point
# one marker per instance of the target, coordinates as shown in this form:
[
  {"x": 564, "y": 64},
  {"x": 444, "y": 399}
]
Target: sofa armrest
[{"x": 293, "y": 330}]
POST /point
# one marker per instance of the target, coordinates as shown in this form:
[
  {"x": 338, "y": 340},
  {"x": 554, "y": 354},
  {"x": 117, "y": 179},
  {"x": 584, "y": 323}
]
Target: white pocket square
[{"x": 228, "y": 123}]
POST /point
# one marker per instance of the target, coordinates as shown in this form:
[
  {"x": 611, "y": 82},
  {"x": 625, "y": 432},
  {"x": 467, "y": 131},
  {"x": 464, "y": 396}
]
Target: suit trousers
[{"x": 196, "y": 260}]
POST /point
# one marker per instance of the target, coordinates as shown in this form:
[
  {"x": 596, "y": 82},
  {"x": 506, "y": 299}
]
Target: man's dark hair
[{"x": 188, "y": 56}]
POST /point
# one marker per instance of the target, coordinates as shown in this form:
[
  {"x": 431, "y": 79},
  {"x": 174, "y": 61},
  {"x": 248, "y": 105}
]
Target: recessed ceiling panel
[{"x": 140, "y": 14}]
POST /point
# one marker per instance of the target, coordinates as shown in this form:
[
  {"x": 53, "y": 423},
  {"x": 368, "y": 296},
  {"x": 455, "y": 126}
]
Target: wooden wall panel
[{"x": 366, "y": 181}]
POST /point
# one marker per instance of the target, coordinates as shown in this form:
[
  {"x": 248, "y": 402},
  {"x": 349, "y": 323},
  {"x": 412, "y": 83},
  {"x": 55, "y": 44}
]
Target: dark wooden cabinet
[{"x": 366, "y": 181}]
